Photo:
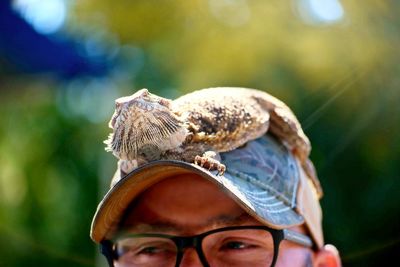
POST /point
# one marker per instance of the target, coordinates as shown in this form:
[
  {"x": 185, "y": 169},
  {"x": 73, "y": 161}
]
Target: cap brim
[{"x": 257, "y": 201}]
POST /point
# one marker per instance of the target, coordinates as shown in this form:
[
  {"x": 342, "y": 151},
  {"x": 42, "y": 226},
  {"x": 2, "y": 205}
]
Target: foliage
[{"x": 341, "y": 80}]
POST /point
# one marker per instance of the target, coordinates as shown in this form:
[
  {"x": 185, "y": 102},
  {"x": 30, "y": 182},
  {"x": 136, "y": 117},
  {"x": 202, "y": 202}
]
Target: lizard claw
[
  {"x": 221, "y": 169},
  {"x": 208, "y": 162}
]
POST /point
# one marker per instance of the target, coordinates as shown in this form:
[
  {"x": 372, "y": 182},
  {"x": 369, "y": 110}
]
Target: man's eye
[
  {"x": 149, "y": 250},
  {"x": 236, "y": 245}
]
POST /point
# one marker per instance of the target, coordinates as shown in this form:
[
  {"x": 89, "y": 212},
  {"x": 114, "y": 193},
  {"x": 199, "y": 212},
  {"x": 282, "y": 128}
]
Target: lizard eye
[{"x": 164, "y": 102}]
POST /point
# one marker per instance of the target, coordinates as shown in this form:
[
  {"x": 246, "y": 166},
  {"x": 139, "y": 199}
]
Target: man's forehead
[{"x": 167, "y": 225}]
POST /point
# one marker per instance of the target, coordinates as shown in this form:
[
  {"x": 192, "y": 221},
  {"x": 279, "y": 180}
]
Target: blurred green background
[{"x": 335, "y": 63}]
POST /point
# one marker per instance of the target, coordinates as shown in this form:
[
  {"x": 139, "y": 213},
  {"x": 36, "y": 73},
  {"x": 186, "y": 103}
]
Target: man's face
[{"x": 189, "y": 205}]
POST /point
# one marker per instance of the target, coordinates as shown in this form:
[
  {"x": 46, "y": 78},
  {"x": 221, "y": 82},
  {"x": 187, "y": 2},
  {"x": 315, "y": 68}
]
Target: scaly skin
[{"x": 147, "y": 127}]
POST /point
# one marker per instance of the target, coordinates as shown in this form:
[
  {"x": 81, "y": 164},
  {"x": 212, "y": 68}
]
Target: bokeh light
[
  {"x": 46, "y": 16},
  {"x": 323, "y": 12}
]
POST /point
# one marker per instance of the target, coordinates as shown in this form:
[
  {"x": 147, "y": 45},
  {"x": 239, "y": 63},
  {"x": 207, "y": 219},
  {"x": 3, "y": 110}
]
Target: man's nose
[{"x": 190, "y": 258}]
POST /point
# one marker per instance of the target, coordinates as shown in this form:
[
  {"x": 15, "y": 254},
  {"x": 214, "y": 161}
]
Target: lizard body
[{"x": 147, "y": 127}]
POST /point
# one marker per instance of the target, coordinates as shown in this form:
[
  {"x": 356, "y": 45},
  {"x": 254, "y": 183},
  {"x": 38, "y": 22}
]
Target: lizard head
[
  {"x": 140, "y": 102},
  {"x": 142, "y": 120}
]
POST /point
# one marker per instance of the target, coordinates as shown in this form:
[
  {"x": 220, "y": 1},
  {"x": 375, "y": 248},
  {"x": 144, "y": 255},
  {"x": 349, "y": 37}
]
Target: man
[{"x": 263, "y": 211}]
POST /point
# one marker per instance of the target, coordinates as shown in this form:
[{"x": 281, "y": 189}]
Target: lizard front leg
[
  {"x": 211, "y": 161},
  {"x": 194, "y": 153}
]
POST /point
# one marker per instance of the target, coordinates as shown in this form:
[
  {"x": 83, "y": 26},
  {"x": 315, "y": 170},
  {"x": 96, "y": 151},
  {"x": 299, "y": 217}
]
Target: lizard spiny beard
[{"x": 161, "y": 130}]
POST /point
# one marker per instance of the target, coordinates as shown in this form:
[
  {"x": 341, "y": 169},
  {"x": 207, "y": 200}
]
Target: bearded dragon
[{"x": 198, "y": 126}]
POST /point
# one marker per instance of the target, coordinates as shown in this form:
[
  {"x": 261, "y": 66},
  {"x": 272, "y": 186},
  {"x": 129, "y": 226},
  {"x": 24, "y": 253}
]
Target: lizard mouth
[{"x": 113, "y": 120}]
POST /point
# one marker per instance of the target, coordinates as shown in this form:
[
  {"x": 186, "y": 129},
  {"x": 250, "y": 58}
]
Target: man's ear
[{"x": 328, "y": 256}]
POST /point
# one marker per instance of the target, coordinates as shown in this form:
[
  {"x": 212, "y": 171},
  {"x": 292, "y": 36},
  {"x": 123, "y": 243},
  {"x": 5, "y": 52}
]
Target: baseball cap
[{"x": 262, "y": 176}]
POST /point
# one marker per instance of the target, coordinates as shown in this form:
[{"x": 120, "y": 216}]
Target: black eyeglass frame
[{"x": 195, "y": 241}]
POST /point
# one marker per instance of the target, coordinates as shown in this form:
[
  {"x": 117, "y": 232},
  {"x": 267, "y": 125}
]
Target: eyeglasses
[{"x": 234, "y": 246}]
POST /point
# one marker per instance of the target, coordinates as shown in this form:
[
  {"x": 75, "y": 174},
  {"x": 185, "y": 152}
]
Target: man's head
[
  {"x": 264, "y": 193},
  {"x": 186, "y": 205}
]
